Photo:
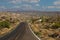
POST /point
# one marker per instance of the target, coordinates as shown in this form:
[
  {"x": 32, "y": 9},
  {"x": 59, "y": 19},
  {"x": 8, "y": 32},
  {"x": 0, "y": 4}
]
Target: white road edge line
[{"x": 34, "y": 33}]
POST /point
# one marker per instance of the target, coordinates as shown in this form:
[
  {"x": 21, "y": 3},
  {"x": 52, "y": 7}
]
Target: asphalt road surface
[{"x": 22, "y": 32}]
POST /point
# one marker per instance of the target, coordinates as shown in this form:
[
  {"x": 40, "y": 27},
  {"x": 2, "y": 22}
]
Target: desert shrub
[
  {"x": 53, "y": 35},
  {"x": 4, "y": 24},
  {"x": 37, "y": 33},
  {"x": 55, "y": 26},
  {"x": 46, "y": 27}
]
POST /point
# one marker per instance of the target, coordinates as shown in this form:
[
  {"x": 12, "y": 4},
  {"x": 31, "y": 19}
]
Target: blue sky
[{"x": 39, "y": 5}]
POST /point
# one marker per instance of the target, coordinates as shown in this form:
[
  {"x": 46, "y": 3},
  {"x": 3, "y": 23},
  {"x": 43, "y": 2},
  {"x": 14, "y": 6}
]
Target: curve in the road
[{"x": 22, "y": 32}]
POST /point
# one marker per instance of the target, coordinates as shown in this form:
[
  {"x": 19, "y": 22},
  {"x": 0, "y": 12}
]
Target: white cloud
[
  {"x": 16, "y": 7},
  {"x": 32, "y": 1},
  {"x": 58, "y": 7},
  {"x": 23, "y": 7},
  {"x": 37, "y": 5},
  {"x": 19, "y": 1},
  {"x": 15, "y": 1},
  {"x": 26, "y": 6},
  {"x": 56, "y": 2},
  {"x": 51, "y": 6},
  {"x": 44, "y": 7},
  {"x": 3, "y": 7}
]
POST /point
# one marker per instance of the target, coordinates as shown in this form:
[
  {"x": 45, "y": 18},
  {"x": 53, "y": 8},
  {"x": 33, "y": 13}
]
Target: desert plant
[
  {"x": 53, "y": 35},
  {"x": 37, "y": 33},
  {"x": 4, "y": 24},
  {"x": 55, "y": 26}
]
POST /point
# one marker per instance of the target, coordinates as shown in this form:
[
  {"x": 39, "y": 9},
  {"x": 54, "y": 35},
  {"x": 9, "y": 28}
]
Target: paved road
[{"x": 22, "y": 32}]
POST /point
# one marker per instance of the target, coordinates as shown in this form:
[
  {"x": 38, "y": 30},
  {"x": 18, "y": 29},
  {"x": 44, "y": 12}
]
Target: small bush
[
  {"x": 53, "y": 35},
  {"x": 4, "y": 24},
  {"x": 55, "y": 26},
  {"x": 37, "y": 33}
]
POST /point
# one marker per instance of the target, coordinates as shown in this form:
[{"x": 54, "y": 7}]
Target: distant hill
[{"x": 40, "y": 13}]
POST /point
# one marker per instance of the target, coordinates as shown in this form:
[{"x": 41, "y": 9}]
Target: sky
[{"x": 28, "y": 5}]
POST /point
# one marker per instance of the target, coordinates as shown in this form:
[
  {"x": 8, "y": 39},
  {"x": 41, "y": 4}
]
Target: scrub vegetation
[{"x": 46, "y": 27}]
